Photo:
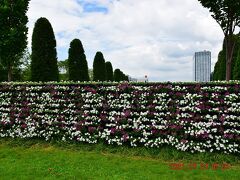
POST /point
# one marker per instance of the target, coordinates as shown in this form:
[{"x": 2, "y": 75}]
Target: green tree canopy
[
  {"x": 117, "y": 75},
  {"x": 120, "y": 76},
  {"x": 44, "y": 53},
  {"x": 99, "y": 67},
  {"x": 84, "y": 68},
  {"x": 13, "y": 32},
  {"x": 109, "y": 71},
  {"x": 126, "y": 77},
  {"x": 78, "y": 67},
  {"x": 236, "y": 69},
  {"x": 227, "y": 15},
  {"x": 220, "y": 66}
]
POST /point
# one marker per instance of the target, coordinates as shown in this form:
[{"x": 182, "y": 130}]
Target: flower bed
[{"x": 188, "y": 116}]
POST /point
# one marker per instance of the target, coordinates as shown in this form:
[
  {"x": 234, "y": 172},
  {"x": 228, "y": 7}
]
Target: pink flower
[
  {"x": 23, "y": 126},
  {"x": 184, "y": 141},
  {"x": 125, "y": 137},
  {"x": 127, "y": 113},
  {"x": 113, "y": 130},
  {"x": 91, "y": 129}
]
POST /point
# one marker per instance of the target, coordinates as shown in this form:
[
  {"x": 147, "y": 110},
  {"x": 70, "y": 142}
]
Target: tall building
[{"x": 202, "y": 66}]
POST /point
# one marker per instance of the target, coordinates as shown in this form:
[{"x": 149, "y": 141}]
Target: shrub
[
  {"x": 44, "y": 54},
  {"x": 188, "y": 116},
  {"x": 99, "y": 68}
]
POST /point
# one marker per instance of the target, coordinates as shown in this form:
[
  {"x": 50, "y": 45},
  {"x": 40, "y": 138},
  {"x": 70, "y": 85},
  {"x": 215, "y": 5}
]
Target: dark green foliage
[
  {"x": 44, "y": 54},
  {"x": 99, "y": 68},
  {"x": 26, "y": 74},
  {"x": 117, "y": 75},
  {"x": 236, "y": 69},
  {"x": 234, "y": 74},
  {"x": 126, "y": 77},
  {"x": 13, "y": 33},
  {"x": 220, "y": 67},
  {"x": 120, "y": 76},
  {"x": 3, "y": 74},
  {"x": 77, "y": 63},
  {"x": 20, "y": 71},
  {"x": 84, "y": 68},
  {"x": 74, "y": 52},
  {"x": 109, "y": 71},
  {"x": 16, "y": 74}
]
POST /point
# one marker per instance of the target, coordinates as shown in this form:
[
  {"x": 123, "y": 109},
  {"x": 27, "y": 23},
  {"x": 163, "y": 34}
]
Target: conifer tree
[
  {"x": 78, "y": 67},
  {"x": 99, "y": 67},
  {"x": 117, "y": 75},
  {"x": 109, "y": 71},
  {"x": 44, "y": 54}
]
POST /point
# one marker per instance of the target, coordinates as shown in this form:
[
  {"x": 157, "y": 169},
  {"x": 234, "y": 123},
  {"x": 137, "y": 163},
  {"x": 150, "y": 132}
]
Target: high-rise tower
[{"x": 202, "y": 66}]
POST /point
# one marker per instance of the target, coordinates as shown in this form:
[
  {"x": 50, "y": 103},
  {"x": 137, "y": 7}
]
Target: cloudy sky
[{"x": 141, "y": 37}]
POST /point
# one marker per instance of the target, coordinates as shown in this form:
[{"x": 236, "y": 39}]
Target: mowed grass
[{"x": 36, "y": 159}]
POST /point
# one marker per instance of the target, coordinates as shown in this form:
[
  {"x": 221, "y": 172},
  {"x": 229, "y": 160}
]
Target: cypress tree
[
  {"x": 121, "y": 76},
  {"x": 78, "y": 67},
  {"x": 216, "y": 71},
  {"x": 84, "y": 68},
  {"x": 126, "y": 78},
  {"x": 44, "y": 54},
  {"x": 109, "y": 71},
  {"x": 219, "y": 72},
  {"x": 220, "y": 67},
  {"x": 73, "y": 60},
  {"x": 117, "y": 75},
  {"x": 99, "y": 68}
]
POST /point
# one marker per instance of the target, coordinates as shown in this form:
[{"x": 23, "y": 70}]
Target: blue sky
[
  {"x": 92, "y": 7},
  {"x": 141, "y": 37}
]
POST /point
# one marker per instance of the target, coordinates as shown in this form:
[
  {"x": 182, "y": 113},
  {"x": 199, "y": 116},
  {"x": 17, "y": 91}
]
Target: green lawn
[{"x": 34, "y": 159}]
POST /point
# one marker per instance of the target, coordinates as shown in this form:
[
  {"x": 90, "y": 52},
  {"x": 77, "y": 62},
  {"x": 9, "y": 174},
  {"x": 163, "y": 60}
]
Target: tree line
[{"x": 42, "y": 65}]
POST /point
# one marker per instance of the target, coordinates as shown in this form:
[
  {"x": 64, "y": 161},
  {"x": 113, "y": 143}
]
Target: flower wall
[{"x": 188, "y": 116}]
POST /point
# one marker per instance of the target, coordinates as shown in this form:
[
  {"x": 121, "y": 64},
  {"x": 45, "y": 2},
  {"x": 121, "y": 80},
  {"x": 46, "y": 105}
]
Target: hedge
[{"x": 191, "y": 117}]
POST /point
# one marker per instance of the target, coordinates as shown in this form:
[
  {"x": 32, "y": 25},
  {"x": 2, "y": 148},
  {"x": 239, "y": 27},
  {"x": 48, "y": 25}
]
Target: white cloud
[{"x": 157, "y": 37}]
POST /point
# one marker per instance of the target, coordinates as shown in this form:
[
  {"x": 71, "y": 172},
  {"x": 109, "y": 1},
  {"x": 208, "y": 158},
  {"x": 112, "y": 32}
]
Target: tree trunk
[
  {"x": 10, "y": 73},
  {"x": 230, "y": 43}
]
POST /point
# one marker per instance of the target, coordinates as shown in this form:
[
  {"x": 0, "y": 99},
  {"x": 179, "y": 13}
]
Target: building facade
[
  {"x": 202, "y": 66},
  {"x": 145, "y": 79}
]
